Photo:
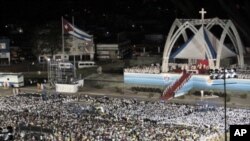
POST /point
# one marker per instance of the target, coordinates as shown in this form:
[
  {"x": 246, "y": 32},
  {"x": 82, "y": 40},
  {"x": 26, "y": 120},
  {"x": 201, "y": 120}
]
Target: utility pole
[
  {"x": 74, "y": 48},
  {"x": 225, "y": 104}
]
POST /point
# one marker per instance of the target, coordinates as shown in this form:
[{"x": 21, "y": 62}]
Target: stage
[{"x": 198, "y": 82}]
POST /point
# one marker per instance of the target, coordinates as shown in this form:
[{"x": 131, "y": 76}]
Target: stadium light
[
  {"x": 48, "y": 69},
  {"x": 225, "y": 103}
]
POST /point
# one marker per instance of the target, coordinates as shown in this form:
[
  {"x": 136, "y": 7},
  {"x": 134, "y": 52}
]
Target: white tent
[{"x": 196, "y": 47}]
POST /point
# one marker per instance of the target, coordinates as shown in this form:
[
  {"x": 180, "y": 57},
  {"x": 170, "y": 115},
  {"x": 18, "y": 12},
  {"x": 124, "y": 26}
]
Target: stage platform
[{"x": 198, "y": 82}]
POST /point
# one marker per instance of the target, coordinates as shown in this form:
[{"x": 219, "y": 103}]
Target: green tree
[{"x": 46, "y": 38}]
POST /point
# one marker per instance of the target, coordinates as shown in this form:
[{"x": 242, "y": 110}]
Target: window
[{"x": 2, "y": 46}]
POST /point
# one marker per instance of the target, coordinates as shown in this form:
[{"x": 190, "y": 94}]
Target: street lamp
[
  {"x": 48, "y": 69},
  {"x": 225, "y": 103}
]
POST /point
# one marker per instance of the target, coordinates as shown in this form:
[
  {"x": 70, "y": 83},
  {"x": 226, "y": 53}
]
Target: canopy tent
[{"x": 196, "y": 47}]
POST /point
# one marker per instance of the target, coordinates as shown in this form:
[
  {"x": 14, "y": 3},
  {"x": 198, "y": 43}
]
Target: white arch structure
[{"x": 180, "y": 26}]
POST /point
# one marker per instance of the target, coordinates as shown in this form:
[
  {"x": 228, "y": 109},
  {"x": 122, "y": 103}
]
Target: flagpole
[
  {"x": 74, "y": 47},
  {"x": 63, "y": 41}
]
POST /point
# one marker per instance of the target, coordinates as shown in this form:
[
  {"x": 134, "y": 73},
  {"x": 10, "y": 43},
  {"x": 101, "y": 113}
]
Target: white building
[
  {"x": 4, "y": 51},
  {"x": 11, "y": 79},
  {"x": 111, "y": 51},
  {"x": 79, "y": 49}
]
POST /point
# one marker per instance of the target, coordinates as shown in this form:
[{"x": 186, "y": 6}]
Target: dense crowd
[
  {"x": 200, "y": 68},
  {"x": 153, "y": 69},
  {"x": 173, "y": 67},
  {"x": 243, "y": 73},
  {"x": 82, "y": 118}
]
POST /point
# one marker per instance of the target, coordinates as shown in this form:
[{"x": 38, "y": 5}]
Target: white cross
[{"x": 202, "y": 12}]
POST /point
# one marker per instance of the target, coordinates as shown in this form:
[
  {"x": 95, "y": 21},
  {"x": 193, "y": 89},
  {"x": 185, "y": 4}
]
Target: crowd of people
[
  {"x": 179, "y": 67},
  {"x": 231, "y": 72},
  {"x": 153, "y": 69},
  {"x": 195, "y": 68},
  {"x": 173, "y": 67},
  {"x": 85, "y": 118},
  {"x": 243, "y": 73}
]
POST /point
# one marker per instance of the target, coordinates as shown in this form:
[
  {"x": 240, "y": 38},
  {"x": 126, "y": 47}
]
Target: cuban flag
[{"x": 76, "y": 32}]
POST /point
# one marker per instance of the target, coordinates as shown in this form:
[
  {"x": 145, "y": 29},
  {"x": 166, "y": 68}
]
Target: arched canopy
[
  {"x": 195, "y": 48},
  {"x": 209, "y": 46}
]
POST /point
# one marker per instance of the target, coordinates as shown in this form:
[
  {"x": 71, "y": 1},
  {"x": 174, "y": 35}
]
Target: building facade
[
  {"x": 76, "y": 49},
  {"x": 4, "y": 51},
  {"x": 112, "y": 50}
]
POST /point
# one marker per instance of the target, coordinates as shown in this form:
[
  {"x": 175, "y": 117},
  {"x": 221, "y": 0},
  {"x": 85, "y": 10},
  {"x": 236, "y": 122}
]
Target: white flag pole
[
  {"x": 74, "y": 47},
  {"x": 63, "y": 41}
]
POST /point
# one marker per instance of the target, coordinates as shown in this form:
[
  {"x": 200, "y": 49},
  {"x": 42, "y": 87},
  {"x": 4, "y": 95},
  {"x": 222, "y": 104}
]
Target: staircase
[{"x": 169, "y": 92}]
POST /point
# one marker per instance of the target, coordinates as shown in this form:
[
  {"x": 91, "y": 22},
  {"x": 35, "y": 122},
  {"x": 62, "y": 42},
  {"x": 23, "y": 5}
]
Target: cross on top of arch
[{"x": 202, "y": 12}]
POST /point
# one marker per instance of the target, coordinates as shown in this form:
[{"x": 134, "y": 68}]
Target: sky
[
  {"x": 49, "y": 9},
  {"x": 42, "y": 10},
  {"x": 121, "y": 15}
]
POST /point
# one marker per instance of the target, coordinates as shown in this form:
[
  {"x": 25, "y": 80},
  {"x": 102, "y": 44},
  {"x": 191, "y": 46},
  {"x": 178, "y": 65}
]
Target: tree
[{"x": 46, "y": 39}]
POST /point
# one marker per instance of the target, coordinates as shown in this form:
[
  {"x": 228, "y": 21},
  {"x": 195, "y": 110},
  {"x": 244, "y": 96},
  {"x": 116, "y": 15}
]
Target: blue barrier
[{"x": 196, "y": 82}]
